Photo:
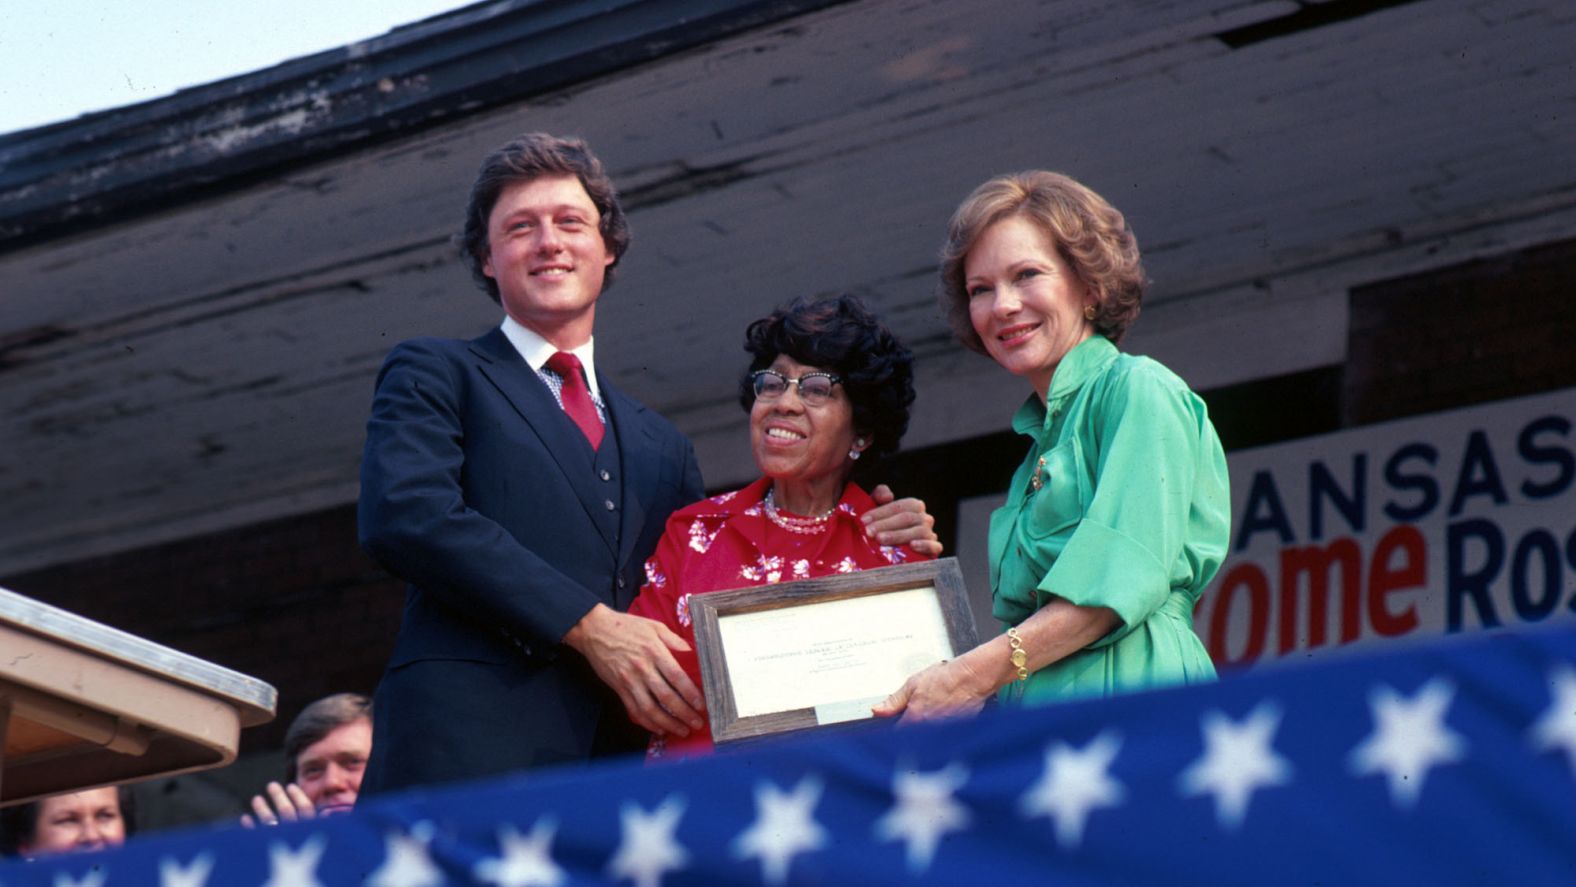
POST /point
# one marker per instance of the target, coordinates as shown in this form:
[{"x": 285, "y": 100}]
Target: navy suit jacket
[{"x": 479, "y": 491}]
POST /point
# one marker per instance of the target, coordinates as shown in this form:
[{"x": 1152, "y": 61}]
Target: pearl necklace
[{"x": 807, "y": 526}]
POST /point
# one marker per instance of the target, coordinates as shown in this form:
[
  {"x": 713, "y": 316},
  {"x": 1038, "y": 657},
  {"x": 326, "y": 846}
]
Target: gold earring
[{"x": 1088, "y": 312}]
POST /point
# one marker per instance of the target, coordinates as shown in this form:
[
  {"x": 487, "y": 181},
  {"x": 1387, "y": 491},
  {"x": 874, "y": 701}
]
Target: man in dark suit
[{"x": 519, "y": 493}]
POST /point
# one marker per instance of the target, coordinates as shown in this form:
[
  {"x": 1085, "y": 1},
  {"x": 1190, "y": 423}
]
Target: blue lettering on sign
[
  {"x": 1322, "y": 486},
  {"x": 1539, "y": 542},
  {"x": 1425, "y": 485},
  {"x": 1558, "y": 456},
  {"x": 1264, "y": 511},
  {"x": 1479, "y": 475},
  {"x": 1474, "y": 558},
  {"x": 1460, "y": 584},
  {"x": 1543, "y": 467}
]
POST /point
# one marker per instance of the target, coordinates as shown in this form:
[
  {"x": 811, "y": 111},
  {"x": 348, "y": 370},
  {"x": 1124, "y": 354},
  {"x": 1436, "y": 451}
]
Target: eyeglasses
[{"x": 815, "y": 389}]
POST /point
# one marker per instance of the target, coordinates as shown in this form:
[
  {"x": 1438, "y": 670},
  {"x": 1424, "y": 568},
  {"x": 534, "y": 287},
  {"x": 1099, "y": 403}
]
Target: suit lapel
[{"x": 502, "y": 365}]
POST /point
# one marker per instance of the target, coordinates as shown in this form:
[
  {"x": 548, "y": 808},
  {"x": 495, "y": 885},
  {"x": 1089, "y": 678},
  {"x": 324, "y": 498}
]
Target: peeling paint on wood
[{"x": 211, "y": 364}]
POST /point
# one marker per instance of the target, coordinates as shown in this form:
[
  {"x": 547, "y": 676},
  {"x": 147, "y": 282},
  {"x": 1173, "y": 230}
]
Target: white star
[
  {"x": 173, "y": 874},
  {"x": 295, "y": 868},
  {"x": 93, "y": 877},
  {"x": 1556, "y": 729},
  {"x": 647, "y": 850},
  {"x": 784, "y": 825},
  {"x": 1074, "y": 784},
  {"x": 406, "y": 862},
  {"x": 526, "y": 861},
  {"x": 1237, "y": 761},
  {"x": 925, "y": 810},
  {"x": 1409, "y": 737}
]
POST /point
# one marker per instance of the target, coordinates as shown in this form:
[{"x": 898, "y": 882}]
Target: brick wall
[{"x": 1462, "y": 335}]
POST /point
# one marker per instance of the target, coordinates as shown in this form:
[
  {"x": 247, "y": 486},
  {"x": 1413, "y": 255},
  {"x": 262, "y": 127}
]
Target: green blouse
[{"x": 1123, "y": 502}]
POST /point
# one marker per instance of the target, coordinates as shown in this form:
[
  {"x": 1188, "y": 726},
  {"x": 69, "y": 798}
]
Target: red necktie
[{"x": 576, "y": 397}]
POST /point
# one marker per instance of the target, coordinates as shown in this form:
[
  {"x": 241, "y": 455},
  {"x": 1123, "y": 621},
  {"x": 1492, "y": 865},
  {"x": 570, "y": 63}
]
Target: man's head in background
[{"x": 326, "y": 749}]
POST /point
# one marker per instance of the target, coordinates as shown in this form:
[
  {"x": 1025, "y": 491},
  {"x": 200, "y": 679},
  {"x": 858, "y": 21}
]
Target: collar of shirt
[
  {"x": 536, "y": 350},
  {"x": 1087, "y": 359}
]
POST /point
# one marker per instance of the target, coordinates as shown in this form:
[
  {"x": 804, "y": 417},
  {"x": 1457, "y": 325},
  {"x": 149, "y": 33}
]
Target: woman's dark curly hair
[{"x": 841, "y": 336}]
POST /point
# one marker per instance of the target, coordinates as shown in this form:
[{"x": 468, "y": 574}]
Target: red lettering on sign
[{"x": 1383, "y": 579}]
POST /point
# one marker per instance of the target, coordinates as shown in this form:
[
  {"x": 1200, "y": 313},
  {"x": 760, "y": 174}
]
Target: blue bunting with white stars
[{"x": 1453, "y": 763}]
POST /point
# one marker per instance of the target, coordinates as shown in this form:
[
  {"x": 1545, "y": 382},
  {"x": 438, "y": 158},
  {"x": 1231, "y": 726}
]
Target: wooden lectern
[{"x": 84, "y": 705}]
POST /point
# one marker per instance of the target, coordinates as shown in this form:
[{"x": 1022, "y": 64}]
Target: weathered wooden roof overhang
[{"x": 106, "y": 167}]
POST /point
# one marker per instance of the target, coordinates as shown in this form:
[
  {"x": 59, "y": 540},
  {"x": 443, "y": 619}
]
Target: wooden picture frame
[{"x": 815, "y": 653}]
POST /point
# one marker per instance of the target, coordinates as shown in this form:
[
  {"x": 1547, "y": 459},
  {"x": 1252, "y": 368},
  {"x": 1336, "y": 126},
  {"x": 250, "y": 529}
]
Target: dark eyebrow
[{"x": 551, "y": 210}]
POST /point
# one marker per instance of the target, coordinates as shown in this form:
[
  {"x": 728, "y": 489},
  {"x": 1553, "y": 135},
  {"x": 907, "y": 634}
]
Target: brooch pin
[{"x": 1038, "y": 481}]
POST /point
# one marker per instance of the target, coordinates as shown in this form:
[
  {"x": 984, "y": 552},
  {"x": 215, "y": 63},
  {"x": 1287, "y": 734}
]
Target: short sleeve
[{"x": 1143, "y": 435}]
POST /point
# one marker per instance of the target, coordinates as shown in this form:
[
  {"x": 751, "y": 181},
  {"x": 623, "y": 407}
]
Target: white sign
[{"x": 1451, "y": 522}]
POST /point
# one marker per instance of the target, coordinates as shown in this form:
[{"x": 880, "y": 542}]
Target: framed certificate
[{"x": 816, "y": 652}]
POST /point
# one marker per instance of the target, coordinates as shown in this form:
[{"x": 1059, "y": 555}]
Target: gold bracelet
[{"x": 1019, "y": 659}]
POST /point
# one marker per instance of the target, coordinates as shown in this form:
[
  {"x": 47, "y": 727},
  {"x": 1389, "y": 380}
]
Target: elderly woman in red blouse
[{"x": 828, "y": 392}]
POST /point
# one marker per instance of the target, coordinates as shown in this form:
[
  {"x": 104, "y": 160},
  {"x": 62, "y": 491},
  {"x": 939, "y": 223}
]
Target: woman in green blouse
[{"x": 1119, "y": 515}]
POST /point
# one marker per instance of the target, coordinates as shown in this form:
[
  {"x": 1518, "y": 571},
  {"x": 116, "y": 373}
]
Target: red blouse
[{"x": 726, "y": 542}]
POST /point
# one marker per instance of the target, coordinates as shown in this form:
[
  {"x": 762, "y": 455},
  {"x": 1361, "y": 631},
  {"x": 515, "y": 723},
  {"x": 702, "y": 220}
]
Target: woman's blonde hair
[{"x": 1090, "y": 234}]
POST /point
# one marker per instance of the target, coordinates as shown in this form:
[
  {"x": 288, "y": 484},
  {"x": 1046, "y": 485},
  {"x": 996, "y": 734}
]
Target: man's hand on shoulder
[
  {"x": 901, "y": 522},
  {"x": 633, "y": 655}
]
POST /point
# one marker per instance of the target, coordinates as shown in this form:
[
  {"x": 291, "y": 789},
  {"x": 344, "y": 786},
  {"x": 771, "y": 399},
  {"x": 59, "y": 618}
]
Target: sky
[{"x": 63, "y": 58}]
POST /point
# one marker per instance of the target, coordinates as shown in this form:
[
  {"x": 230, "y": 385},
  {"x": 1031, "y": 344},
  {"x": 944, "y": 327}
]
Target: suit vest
[{"x": 606, "y": 470}]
